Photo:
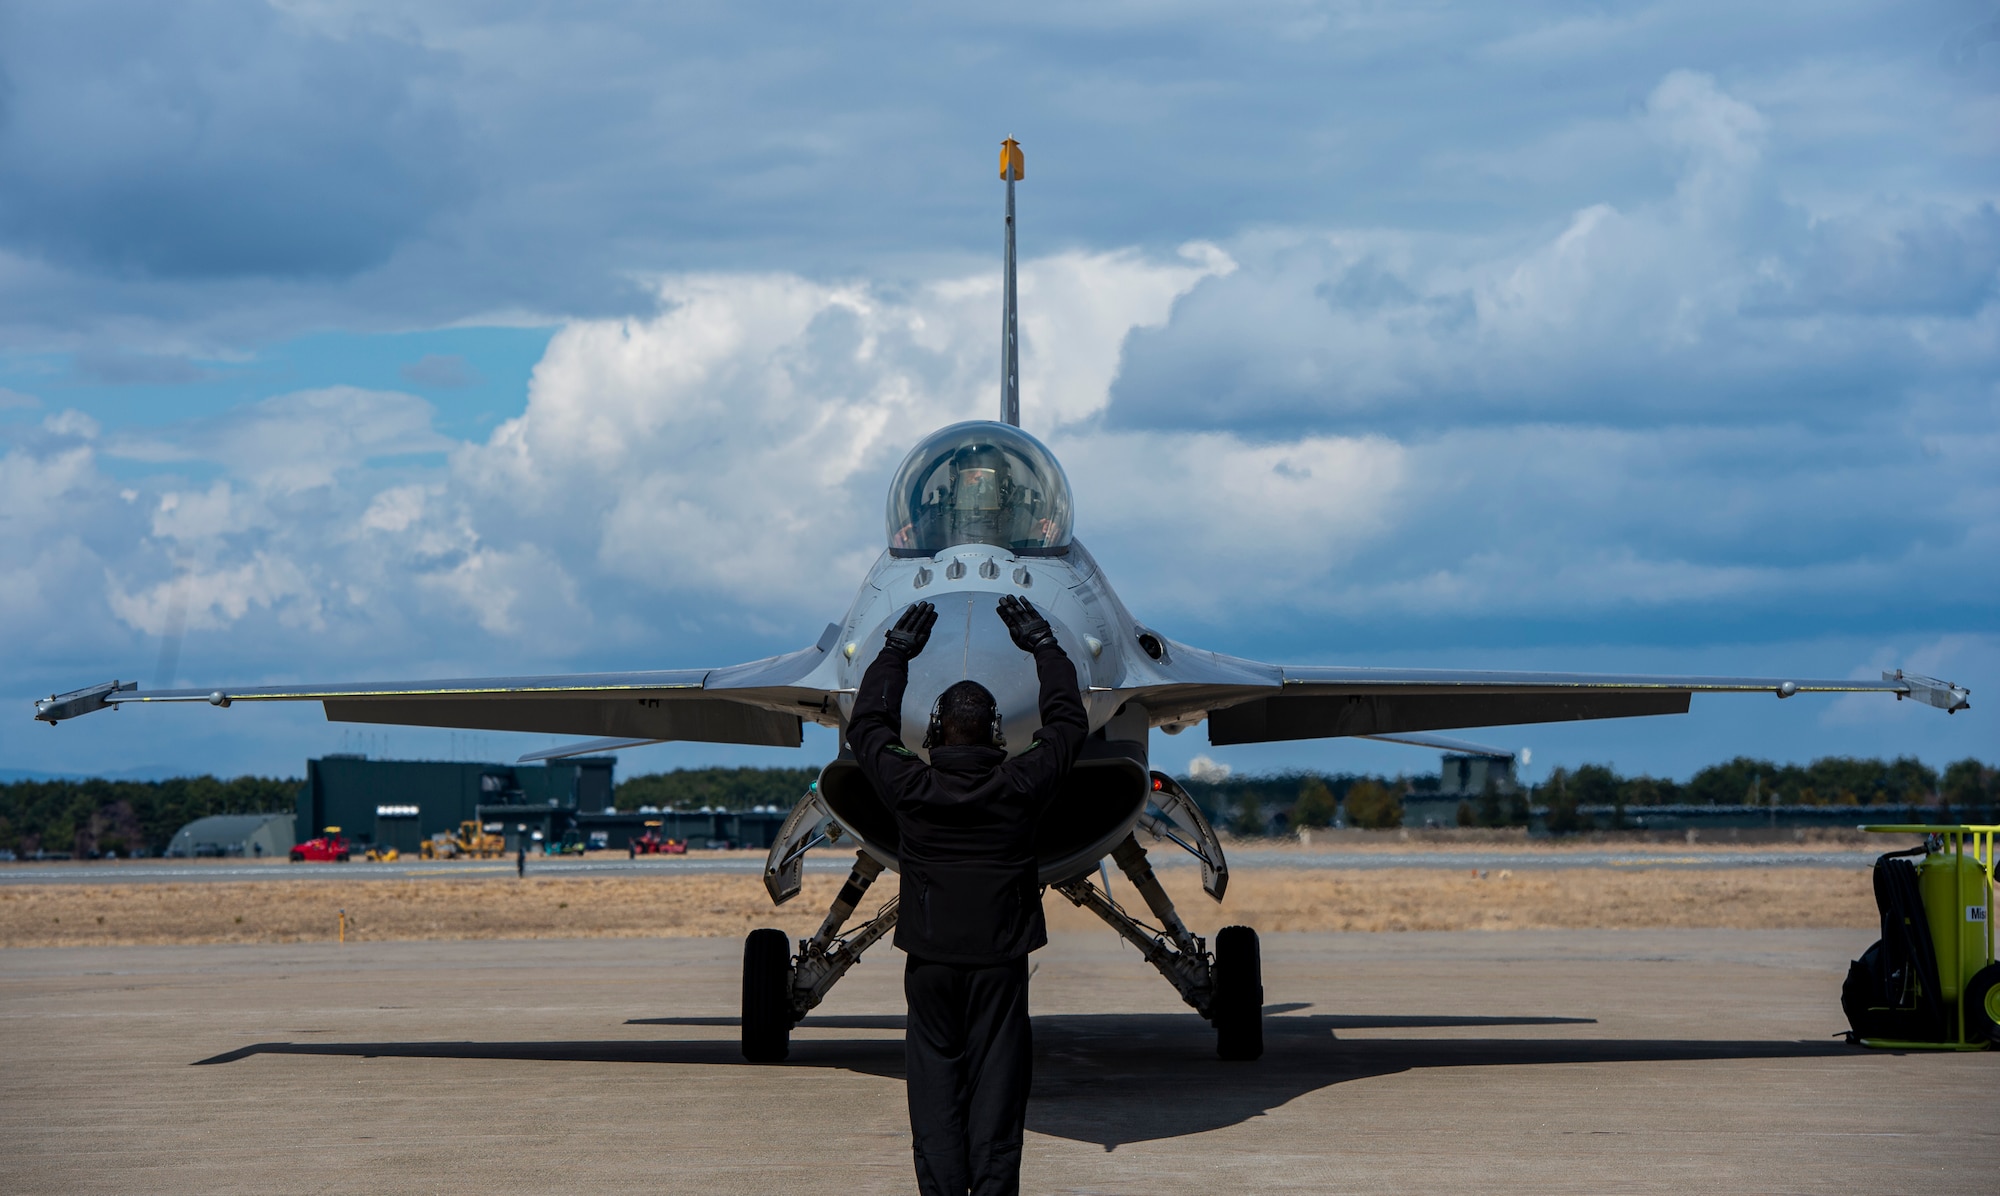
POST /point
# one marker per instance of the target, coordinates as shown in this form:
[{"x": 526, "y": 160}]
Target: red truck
[
  {"x": 651, "y": 843},
  {"x": 328, "y": 848}
]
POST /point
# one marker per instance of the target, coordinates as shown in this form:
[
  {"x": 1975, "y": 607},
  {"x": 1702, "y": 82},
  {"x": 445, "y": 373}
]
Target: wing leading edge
[
  {"x": 764, "y": 702},
  {"x": 1313, "y": 702}
]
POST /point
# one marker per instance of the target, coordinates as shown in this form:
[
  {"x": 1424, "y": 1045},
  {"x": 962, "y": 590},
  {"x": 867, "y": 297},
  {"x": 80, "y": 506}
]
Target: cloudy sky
[{"x": 353, "y": 340}]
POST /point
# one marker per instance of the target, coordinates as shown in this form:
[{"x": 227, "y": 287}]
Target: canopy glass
[{"x": 979, "y": 483}]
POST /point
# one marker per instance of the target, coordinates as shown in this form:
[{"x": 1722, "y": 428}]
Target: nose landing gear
[{"x": 779, "y": 989}]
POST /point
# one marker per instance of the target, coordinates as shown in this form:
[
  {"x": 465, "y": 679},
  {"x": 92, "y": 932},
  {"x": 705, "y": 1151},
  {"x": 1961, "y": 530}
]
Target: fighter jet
[{"x": 979, "y": 510}]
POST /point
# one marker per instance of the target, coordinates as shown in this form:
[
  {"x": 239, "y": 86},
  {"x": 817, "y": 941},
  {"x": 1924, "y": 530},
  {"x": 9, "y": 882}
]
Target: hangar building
[{"x": 252, "y": 836}]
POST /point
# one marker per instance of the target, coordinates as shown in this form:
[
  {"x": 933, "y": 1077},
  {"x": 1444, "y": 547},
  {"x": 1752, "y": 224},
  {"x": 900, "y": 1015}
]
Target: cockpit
[{"x": 979, "y": 483}]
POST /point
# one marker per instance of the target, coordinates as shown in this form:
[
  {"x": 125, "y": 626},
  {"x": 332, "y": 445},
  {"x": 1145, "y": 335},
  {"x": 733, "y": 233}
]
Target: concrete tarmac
[{"x": 1562, "y": 1061}]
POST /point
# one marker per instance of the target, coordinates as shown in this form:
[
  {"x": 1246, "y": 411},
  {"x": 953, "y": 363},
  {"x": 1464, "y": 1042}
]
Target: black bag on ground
[{"x": 1892, "y": 990}]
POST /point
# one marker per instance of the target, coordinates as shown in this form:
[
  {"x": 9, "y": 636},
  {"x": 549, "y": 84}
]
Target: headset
[{"x": 935, "y": 731}]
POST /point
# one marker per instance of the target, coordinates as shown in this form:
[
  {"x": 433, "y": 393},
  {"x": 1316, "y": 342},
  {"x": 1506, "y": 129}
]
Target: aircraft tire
[
  {"x": 1238, "y": 1011},
  {"x": 767, "y": 1008},
  {"x": 1982, "y": 1005}
]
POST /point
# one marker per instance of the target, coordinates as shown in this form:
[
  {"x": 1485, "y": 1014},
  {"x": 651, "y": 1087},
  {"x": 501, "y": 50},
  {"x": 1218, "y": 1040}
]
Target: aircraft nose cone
[{"x": 970, "y": 643}]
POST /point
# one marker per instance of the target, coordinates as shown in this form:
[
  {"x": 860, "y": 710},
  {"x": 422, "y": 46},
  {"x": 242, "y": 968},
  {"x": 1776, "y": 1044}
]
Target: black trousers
[{"x": 969, "y": 1053}]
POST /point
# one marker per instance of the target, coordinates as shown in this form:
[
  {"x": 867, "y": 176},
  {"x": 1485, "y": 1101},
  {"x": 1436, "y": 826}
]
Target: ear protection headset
[{"x": 935, "y": 731}]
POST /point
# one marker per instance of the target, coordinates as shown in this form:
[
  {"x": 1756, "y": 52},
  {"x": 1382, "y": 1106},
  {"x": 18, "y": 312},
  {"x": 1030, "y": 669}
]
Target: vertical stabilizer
[{"x": 1011, "y": 169}]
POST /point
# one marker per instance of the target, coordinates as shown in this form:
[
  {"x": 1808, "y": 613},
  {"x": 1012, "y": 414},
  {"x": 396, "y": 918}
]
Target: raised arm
[
  {"x": 874, "y": 731},
  {"x": 1065, "y": 721}
]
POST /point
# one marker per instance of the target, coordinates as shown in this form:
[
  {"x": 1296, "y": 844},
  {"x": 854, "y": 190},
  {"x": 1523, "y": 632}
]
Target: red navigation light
[{"x": 1158, "y": 784}]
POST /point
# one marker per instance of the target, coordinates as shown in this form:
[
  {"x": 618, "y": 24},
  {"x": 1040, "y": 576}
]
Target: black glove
[
  {"x": 912, "y": 631},
  {"x": 1030, "y": 630}
]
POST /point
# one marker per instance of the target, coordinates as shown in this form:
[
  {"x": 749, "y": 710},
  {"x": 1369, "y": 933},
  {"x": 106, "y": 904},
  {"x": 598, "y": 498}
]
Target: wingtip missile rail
[
  {"x": 1942, "y": 694},
  {"x": 57, "y": 707}
]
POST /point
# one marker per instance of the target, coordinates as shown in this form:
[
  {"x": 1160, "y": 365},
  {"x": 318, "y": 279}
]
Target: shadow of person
[{"x": 1112, "y": 1079}]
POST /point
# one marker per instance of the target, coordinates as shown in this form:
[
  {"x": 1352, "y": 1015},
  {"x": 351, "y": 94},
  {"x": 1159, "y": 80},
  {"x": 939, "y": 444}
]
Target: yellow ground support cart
[{"x": 1930, "y": 983}]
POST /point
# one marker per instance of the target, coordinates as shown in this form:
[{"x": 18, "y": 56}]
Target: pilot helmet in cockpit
[
  {"x": 979, "y": 486},
  {"x": 979, "y": 483}
]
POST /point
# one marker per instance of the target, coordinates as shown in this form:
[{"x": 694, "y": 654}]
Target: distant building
[
  {"x": 1463, "y": 778},
  {"x": 400, "y": 803},
  {"x": 250, "y": 836},
  {"x": 1466, "y": 775}
]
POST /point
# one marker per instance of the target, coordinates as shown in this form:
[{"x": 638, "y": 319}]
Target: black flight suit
[{"x": 970, "y": 911}]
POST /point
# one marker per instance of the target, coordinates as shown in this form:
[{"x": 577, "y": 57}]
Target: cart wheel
[
  {"x": 767, "y": 1006},
  {"x": 1982, "y": 1005},
  {"x": 1238, "y": 1008}
]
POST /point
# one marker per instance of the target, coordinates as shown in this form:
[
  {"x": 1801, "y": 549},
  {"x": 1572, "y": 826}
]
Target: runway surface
[
  {"x": 752, "y": 863},
  {"x": 1650, "y": 1061}
]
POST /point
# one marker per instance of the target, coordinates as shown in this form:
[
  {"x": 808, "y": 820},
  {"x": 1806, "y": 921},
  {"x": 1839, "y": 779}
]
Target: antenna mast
[{"x": 1011, "y": 169}]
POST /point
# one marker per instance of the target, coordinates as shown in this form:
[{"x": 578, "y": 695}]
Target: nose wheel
[{"x": 780, "y": 988}]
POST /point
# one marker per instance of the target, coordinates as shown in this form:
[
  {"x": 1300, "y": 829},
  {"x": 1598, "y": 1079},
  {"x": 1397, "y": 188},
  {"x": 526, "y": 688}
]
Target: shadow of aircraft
[{"x": 1116, "y": 1078}]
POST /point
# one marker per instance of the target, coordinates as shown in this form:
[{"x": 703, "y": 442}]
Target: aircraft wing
[
  {"x": 1312, "y": 702},
  {"x": 763, "y": 702}
]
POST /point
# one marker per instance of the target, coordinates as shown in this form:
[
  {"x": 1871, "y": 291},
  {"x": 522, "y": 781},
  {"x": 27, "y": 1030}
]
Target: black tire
[
  {"x": 1982, "y": 1005},
  {"x": 1238, "y": 1009},
  {"x": 767, "y": 1006}
]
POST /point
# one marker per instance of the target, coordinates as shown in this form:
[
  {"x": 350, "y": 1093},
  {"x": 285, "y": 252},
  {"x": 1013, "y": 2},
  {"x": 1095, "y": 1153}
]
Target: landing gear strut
[{"x": 1226, "y": 987}]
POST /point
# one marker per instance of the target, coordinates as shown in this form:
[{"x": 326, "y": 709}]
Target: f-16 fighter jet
[{"x": 979, "y": 511}]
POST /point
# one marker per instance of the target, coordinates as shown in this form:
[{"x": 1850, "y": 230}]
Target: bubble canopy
[{"x": 979, "y": 482}]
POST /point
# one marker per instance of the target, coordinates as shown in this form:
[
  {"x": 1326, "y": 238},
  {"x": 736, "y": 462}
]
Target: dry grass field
[{"x": 1271, "y": 899}]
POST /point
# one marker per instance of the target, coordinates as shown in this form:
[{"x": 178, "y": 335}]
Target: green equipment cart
[{"x": 1930, "y": 983}]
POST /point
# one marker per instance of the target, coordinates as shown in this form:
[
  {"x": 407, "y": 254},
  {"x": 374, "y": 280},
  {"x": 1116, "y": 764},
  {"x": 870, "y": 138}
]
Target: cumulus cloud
[
  {"x": 738, "y": 443},
  {"x": 299, "y": 441},
  {"x": 1718, "y": 302}
]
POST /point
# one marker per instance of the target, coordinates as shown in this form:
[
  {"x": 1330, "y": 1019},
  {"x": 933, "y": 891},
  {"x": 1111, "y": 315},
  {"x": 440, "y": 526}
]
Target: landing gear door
[
  {"x": 1171, "y": 816},
  {"x": 809, "y": 825}
]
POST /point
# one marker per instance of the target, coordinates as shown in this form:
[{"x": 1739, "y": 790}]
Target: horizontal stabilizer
[
  {"x": 1443, "y": 743},
  {"x": 588, "y": 747}
]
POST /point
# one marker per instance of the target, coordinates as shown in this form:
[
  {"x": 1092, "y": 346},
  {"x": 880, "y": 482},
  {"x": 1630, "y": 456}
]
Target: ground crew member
[{"x": 970, "y": 907}]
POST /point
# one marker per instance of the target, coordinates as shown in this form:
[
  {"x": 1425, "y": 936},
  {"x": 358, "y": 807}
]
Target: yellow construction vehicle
[{"x": 469, "y": 841}]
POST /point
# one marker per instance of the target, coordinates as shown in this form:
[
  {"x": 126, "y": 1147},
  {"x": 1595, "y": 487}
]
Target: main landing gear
[{"x": 1225, "y": 986}]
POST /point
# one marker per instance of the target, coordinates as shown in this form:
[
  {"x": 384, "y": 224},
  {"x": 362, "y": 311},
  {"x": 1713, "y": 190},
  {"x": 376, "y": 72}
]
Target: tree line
[
  {"x": 716, "y": 788},
  {"x": 95, "y": 817},
  {"x": 98, "y": 817},
  {"x": 1284, "y": 802}
]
